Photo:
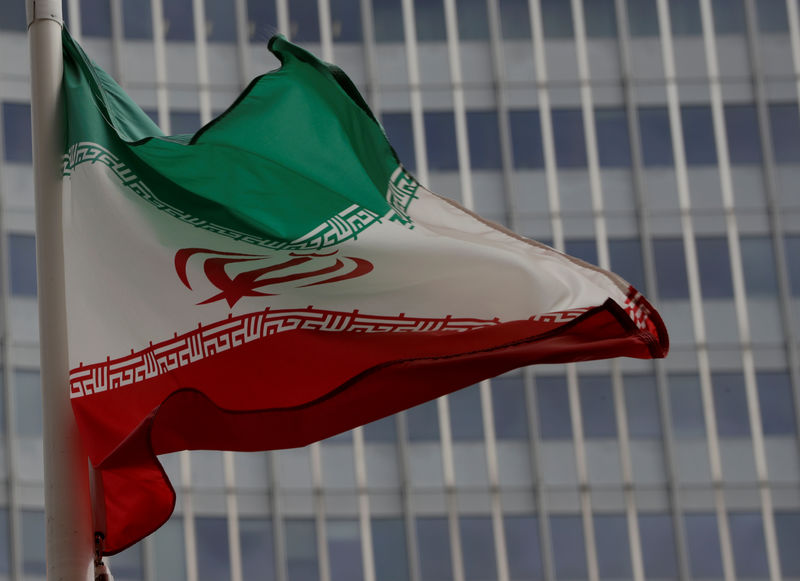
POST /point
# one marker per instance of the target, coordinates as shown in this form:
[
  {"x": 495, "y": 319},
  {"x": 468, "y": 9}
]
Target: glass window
[
  {"x": 400, "y": 133},
  {"x": 772, "y": 16},
  {"x": 346, "y": 20},
  {"x": 787, "y": 529},
  {"x": 523, "y": 547},
  {"x": 613, "y": 551},
  {"x": 729, "y": 16},
  {"x": 656, "y": 136},
  {"x": 213, "y": 554},
  {"x": 301, "y": 550},
  {"x": 220, "y": 21},
  {"x": 28, "y": 396},
  {"x": 344, "y": 550},
  {"x": 758, "y": 264},
  {"x": 643, "y": 18},
  {"x": 713, "y": 262},
  {"x": 613, "y": 141},
  {"x": 744, "y": 141},
  {"x": 698, "y": 133},
  {"x": 137, "y": 22},
  {"x": 95, "y": 18},
  {"x": 261, "y": 19},
  {"x": 641, "y": 404},
  {"x": 184, "y": 122},
  {"x": 466, "y": 420},
  {"x": 556, "y": 18},
  {"x": 170, "y": 554},
  {"x": 600, "y": 18},
  {"x": 430, "y": 20},
  {"x": 510, "y": 408},
  {"x": 670, "y": 266},
  {"x": 568, "y": 135},
  {"x": 702, "y": 536},
  {"x": 389, "y": 549},
  {"x": 515, "y": 19},
  {"x": 12, "y": 15},
  {"x": 127, "y": 565},
  {"x": 33, "y": 543},
  {"x": 178, "y": 20},
  {"x": 784, "y": 123},
  {"x": 776, "y": 403},
  {"x": 597, "y": 406},
  {"x": 685, "y": 17},
  {"x": 484, "y": 140},
  {"x": 569, "y": 550},
  {"x": 658, "y": 546},
  {"x": 304, "y": 21},
  {"x": 473, "y": 20},
  {"x": 730, "y": 404},
  {"x": 686, "y": 405},
  {"x": 792, "y": 249},
  {"x": 553, "y": 402},
  {"x": 4, "y": 542},
  {"x": 17, "y": 140},
  {"x": 423, "y": 422},
  {"x": 749, "y": 548},
  {"x": 585, "y": 249},
  {"x": 440, "y": 139},
  {"x": 383, "y": 430},
  {"x": 387, "y": 16},
  {"x": 477, "y": 548},
  {"x": 258, "y": 556},
  {"x": 626, "y": 260},
  {"x": 22, "y": 262},
  {"x": 526, "y": 138},
  {"x": 433, "y": 538}
]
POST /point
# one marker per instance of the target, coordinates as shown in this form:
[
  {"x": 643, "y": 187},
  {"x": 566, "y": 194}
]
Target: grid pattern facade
[{"x": 660, "y": 138}]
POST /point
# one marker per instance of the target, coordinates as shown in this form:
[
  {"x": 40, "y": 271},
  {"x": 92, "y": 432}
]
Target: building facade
[{"x": 658, "y": 138}]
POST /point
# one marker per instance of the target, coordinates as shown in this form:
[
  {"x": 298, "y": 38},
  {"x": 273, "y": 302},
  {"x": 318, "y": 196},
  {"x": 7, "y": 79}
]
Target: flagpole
[{"x": 68, "y": 530}]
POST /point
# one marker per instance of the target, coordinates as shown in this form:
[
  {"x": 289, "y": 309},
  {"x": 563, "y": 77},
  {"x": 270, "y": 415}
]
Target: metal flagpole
[{"x": 69, "y": 535}]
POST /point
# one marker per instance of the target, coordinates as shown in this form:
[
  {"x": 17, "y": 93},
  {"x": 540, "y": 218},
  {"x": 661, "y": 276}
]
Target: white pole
[{"x": 68, "y": 529}]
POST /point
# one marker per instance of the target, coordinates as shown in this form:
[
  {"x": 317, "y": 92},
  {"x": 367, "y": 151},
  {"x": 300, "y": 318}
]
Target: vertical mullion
[
  {"x": 74, "y": 11},
  {"x": 408, "y": 503},
  {"x": 232, "y": 509},
  {"x": 242, "y": 41},
  {"x": 325, "y": 34},
  {"x": 282, "y": 13},
  {"x": 370, "y": 61},
  {"x": 415, "y": 91},
  {"x": 278, "y": 531},
  {"x": 117, "y": 34}
]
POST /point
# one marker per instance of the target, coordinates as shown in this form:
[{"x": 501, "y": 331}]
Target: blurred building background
[{"x": 658, "y": 137}]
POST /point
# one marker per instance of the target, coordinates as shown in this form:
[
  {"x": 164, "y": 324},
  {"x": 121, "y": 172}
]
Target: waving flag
[{"x": 279, "y": 277}]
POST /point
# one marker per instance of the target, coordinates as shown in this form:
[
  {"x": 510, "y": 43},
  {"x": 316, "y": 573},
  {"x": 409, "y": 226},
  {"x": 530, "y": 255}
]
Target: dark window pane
[
  {"x": 261, "y": 19},
  {"x": 440, "y": 139},
  {"x": 423, "y": 422},
  {"x": 510, "y": 408},
  {"x": 178, "y": 20},
  {"x": 568, "y": 135},
  {"x": 749, "y": 548},
  {"x": 401, "y": 135},
  {"x": 613, "y": 551},
  {"x": 787, "y": 528},
  {"x": 515, "y": 19},
  {"x": 686, "y": 405},
  {"x": 713, "y": 262},
  {"x": 304, "y": 20},
  {"x": 526, "y": 138},
  {"x": 586, "y": 250},
  {"x": 429, "y": 20},
  {"x": 643, "y": 17},
  {"x": 213, "y": 556},
  {"x": 730, "y": 404},
  {"x": 658, "y": 546},
  {"x": 569, "y": 550},
  {"x": 523, "y": 547},
  {"x": 702, "y": 536},
  {"x": 137, "y": 19},
  {"x": 477, "y": 546},
  {"x": 772, "y": 16},
  {"x": 776, "y": 403},
  {"x": 95, "y": 18},
  {"x": 685, "y": 17},
  {"x": 792, "y": 250},
  {"x": 484, "y": 140},
  {"x": 184, "y": 122},
  {"x": 12, "y": 15},
  {"x": 32, "y": 543},
  {"x": 556, "y": 18},
  {"x": 641, "y": 403},
  {"x": 127, "y": 565},
  {"x": 220, "y": 21},
  {"x": 472, "y": 19},
  {"x": 553, "y": 403},
  {"x": 383, "y": 430},
  {"x": 387, "y": 17},
  {"x": 22, "y": 262},
  {"x": 28, "y": 404},
  {"x": 466, "y": 421},
  {"x": 729, "y": 17},
  {"x": 758, "y": 263},
  {"x": 613, "y": 142},
  {"x": 169, "y": 554},
  {"x": 344, "y": 550},
  {"x": 4, "y": 542},
  {"x": 258, "y": 556},
  {"x": 626, "y": 260},
  {"x": 670, "y": 266},
  {"x": 698, "y": 134},
  {"x": 744, "y": 141},
  {"x": 301, "y": 550},
  {"x": 784, "y": 122},
  {"x": 346, "y": 20},
  {"x": 600, "y": 18},
  {"x": 433, "y": 538},
  {"x": 656, "y": 136},
  {"x": 597, "y": 406},
  {"x": 389, "y": 549},
  {"x": 17, "y": 141}
]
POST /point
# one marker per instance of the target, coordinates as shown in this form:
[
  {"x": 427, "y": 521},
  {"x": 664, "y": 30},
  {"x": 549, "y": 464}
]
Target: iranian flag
[{"x": 279, "y": 277}]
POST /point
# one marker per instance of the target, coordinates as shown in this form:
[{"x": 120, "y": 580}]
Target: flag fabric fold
[{"x": 279, "y": 277}]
